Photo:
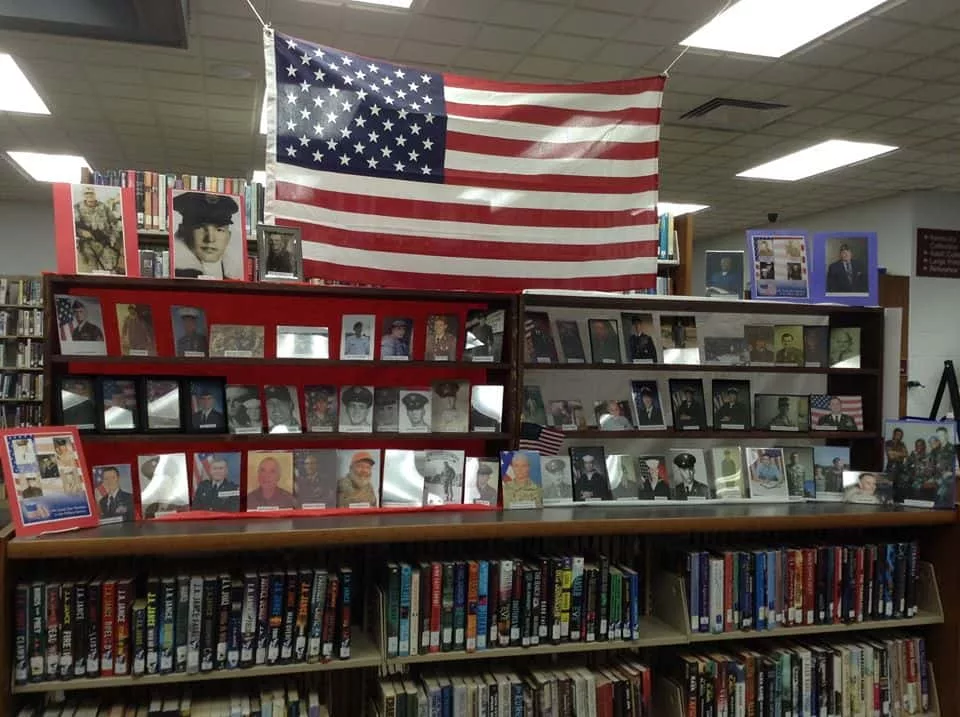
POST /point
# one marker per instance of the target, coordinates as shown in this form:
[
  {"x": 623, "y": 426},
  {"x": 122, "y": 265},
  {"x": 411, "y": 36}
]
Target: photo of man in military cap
[
  {"x": 689, "y": 475},
  {"x": 283, "y": 409},
  {"x": 486, "y": 485},
  {"x": 557, "y": 479},
  {"x": 355, "y": 341},
  {"x": 207, "y": 406},
  {"x": 847, "y": 274},
  {"x": 415, "y": 412},
  {"x": 590, "y": 480},
  {"x": 689, "y": 412},
  {"x": 244, "y": 413},
  {"x": 396, "y": 339},
  {"x": 355, "y": 403},
  {"x": 321, "y": 407},
  {"x": 450, "y": 413},
  {"x": 386, "y": 409},
  {"x": 80, "y": 320},
  {"x": 210, "y": 237},
  {"x": 281, "y": 253},
  {"x": 731, "y": 405},
  {"x": 189, "y": 330},
  {"x": 361, "y": 478},
  {"x": 520, "y": 477}
]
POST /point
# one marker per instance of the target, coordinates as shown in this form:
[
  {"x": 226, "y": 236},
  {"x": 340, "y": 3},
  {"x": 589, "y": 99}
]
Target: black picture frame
[
  {"x": 217, "y": 387},
  {"x": 291, "y": 257},
  {"x": 737, "y": 416},
  {"x": 71, "y": 415},
  {"x": 107, "y": 389},
  {"x": 146, "y": 383}
]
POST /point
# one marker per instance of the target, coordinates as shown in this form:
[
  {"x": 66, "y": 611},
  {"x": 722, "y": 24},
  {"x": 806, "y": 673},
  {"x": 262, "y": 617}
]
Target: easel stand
[{"x": 948, "y": 380}]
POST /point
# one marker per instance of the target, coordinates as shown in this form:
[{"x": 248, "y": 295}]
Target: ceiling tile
[
  {"x": 459, "y": 9},
  {"x": 626, "y": 54},
  {"x": 873, "y": 33},
  {"x": 498, "y": 37},
  {"x": 570, "y": 47},
  {"x": 887, "y": 86},
  {"x": 442, "y": 30},
  {"x": 475, "y": 59},
  {"x": 534, "y": 15},
  {"x": 426, "y": 52},
  {"x": 545, "y": 67},
  {"x": 591, "y": 24}
]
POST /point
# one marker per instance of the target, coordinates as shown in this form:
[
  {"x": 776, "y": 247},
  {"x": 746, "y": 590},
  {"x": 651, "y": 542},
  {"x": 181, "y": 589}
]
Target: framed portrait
[
  {"x": 303, "y": 342},
  {"x": 283, "y": 409},
  {"x": 164, "y": 484},
  {"x": 484, "y": 335},
  {"x": 521, "y": 480},
  {"x": 189, "y": 331},
  {"x": 567, "y": 415},
  {"x": 80, "y": 325},
  {"x": 481, "y": 482},
  {"x": 76, "y": 398},
  {"x": 356, "y": 337},
  {"x": 119, "y": 404},
  {"x": 845, "y": 347},
  {"x": 321, "y": 407},
  {"x": 135, "y": 325},
  {"x": 208, "y": 235},
  {"x": 236, "y": 341},
  {"x": 359, "y": 478},
  {"x": 689, "y": 411},
  {"x": 728, "y": 482},
  {"x": 779, "y": 265},
  {"x": 442, "y": 332},
  {"x": 829, "y": 463},
  {"x": 800, "y": 472},
  {"x": 921, "y": 460},
  {"x": 782, "y": 413},
  {"x": 688, "y": 475},
  {"x": 355, "y": 409},
  {"x": 315, "y": 478},
  {"x": 604, "y": 340},
  {"x": 534, "y": 409},
  {"x": 113, "y": 490},
  {"x": 731, "y": 405},
  {"x": 486, "y": 408},
  {"x": 678, "y": 335},
  {"x": 396, "y": 338},
  {"x": 723, "y": 274},
  {"x": 95, "y": 230},
  {"x": 788, "y": 344},
  {"x": 280, "y": 253},
  {"x": 207, "y": 405},
  {"x": 557, "y": 477},
  {"x": 647, "y": 404},
  {"x": 415, "y": 413},
  {"x": 836, "y": 413},
  {"x": 244, "y": 410},
  {"x": 538, "y": 343},
  {"x": 846, "y": 269},
  {"x": 162, "y": 404},
  {"x": 270, "y": 480},
  {"x": 816, "y": 346},
  {"x": 568, "y": 331},
  {"x": 450, "y": 404},
  {"x": 442, "y": 472},
  {"x": 386, "y": 409},
  {"x": 641, "y": 338},
  {"x": 766, "y": 474},
  {"x": 760, "y": 343},
  {"x": 216, "y": 482},
  {"x": 613, "y": 415},
  {"x": 589, "y": 466}
]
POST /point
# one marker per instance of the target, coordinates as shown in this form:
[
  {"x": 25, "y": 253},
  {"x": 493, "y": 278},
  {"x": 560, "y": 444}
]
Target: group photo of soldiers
[{"x": 921, "y": 460}]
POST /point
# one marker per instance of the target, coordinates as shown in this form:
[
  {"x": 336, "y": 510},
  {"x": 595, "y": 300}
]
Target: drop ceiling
[{"x": 893, "y": 78}]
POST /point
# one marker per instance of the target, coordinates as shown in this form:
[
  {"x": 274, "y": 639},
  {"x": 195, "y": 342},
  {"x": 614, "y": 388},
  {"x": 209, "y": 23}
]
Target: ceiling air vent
[{"x": 732, "y": 115}]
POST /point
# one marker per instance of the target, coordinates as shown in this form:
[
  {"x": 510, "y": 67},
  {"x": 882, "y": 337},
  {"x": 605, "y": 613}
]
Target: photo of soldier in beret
[
  {"x": 355, "y": 403},
  {"x": 189, "y": 330},
  {"x": 283, "y": 409},
  {"x": 210, "y": 237},
  {"x": 415, "y": 413}
]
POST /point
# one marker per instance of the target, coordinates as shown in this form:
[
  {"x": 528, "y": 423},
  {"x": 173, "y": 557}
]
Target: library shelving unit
[
  {"x": 22, "y": 345},
  {"x": 368, "y": 542}
]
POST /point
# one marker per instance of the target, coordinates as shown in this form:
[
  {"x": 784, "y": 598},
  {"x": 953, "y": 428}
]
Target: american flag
[
  {"x": 65, "y": 318},
  {"x": 544, "y": 440},
  {"x": 849, "y": 405},
  {"x": 401, "y": 177}
]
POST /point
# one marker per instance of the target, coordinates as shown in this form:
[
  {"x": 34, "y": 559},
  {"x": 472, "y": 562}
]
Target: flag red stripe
[
  {"x": 553, "y": 116},
  {"x": 552, "y": 182},
  {"x": 440, "y": 247},
  {"x": 611, "y": 87},
  {"x": 471, "y": 213},
  {"x": 446, "y": 282},
  {"x": 479, "y": 144}
]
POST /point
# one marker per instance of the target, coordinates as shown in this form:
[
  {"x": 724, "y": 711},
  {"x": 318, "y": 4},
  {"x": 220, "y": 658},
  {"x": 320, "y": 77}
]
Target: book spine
[
  {"x": 473, "y": 589},
  {"x": 403, "y": 639},
  {"x": 460, "y": 605},
  {"x": 108, "y": 627},
  {"x": 603, "y": 615},
  {"x": 516, "y": 605},
  {"x": 153, "y": 654},
  {"x": 167, "y": 646},
  {"x": 302, "y": 625},
  {"x": 526, "y": 605},
  {"x": 503, "y": 602},
  {"x": 139, "y": 622},
  {"x": 94, "y": 621},
  {"x": 53, "y": 606},
  {"x": 208, "y": 623},
  {"x": 181, "y": 625},
  {"x": 483, "y": 603},
  {"x": 537, "y": 600},
  {"x": 318, "y": 600},
  {"x": 330, "y": 616},
  {"x": 415, "y": 583},
  {"x": 346, "y": 601},
  {"x": 23, "y": 628},
  {"x": 591, "y": 603},
  {"x": 262, "y": 640},
  {"x": 447, "y": 606},
  {"x": 290, "y": 597},
  {"x": 234, "y": 634},
  {"x": 728, "y": 589},
  {"x": 436, "y": 606},
  {"x": 566, "y": 597},
  {"x": 393, "y": 609},
  {"x": 37, "y": 634},
  {"x": 576, "y": 599},
  {"x": 121, "y": 648},
  {"x": 276, "y": 617},
  {"x": 194, "y": 624},
  {"x": 426, "y": 601}
]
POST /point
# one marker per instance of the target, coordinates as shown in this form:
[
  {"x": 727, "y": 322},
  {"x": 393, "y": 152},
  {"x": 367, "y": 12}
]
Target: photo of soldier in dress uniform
[
  {"x": 481, "y": 482},
  {"x": 557, "y": 479},
  {"x": 484, "y": 340},
  {"x": 570, "y": 342},
  {"x": 836, "y": 413},
  {"x": 137, "y": 337},
  {"x": 689, "y": 412},
  {"x": 315, "y": 478},
  {"x": 520, "y": 478},
  {"x": 845, "y": 348},
  {"x": 113, "y": 487},
  {"x": 355, "y": 403},
  {"x": 283, "y": 409},
  {"x": 415, "y": 414},
  {"x": 281, "y": 253},
  {"x": 396, "y": 338},
  {"x": 789, "y": 343},
  {"x": 652, "y": 478},
  {"x": 244, "y": 412},
  {"x": 642, "y": 338},
  {"x": 386, "y": 410},
  {"x": 189, "y": 330},
  {"x": 613, "y": 415},
  {"x": 207, "y": 400},
  {"x": 689, "y": 480},
  {"x": 538, "y": 344},
  {"x": 163, "y": 404},
  {"x": 208, "y": 236},
  {"x": 360, "y": 478},
  {"x": 449, "y": 403},
  {"x": 646, "y": 402},
  {"x": 356, "y": 343},
  {"x": 76, "y": 406},
  {"x": 604, "y": 340},
  {"x": 80, "y": 323},
  {"x": 590, "y": 481},
  {"x": 731, "y": 405},
  {"x": 236, "y": 341},
  {"x": 98, "y": 229},
  {"x": 216, "y": 482},
  {"x": 321, "y": 407},
  {"x": 441, "y": 338},
  {"x": 760, "y": 341},
  {"x": 486, "y": 409},
  {"x": 270, "y": 480}
]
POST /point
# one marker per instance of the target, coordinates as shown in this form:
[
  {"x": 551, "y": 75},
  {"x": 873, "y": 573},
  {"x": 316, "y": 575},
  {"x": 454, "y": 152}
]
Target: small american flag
[
  {"x": 65, "y": 317},
  {"x": 849, "y": 405},
  {"x": 403, "y": 177},
  {"x": 534, "y": 437}
]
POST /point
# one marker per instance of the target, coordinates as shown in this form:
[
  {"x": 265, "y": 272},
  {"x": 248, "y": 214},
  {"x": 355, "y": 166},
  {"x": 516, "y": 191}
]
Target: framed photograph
[
  {"x": 646, "y": 402},
  {"x": 95, "y": 230},
  {"x": 776, "y": 412},
  {"x": 799, "y": 471},
  {"x": 80, "y": 325},
  {"x": 76, "y": 405},
  {"x": 845, "y": 348},
  {"x": 386, "y": 409},
  {"x": 450, "y": 407},
  {"x": 678, "y": 335},
  {"x": 486, "y": 409},
  {"x": 119, "y": 404},
  {"x": 163, "y": 482},
  {"x": 829, "y": 463},
  {"x": 836, "y": 413},
  {"x": 641, "y": 338},
  {"x": 207, "y": 405},
  {"x": 360, "y": 478},
  {"x": 567, "y": 415},
  {"x": 571, "y": 345},
  {"x": 216, "y": 482},
  {"x": 135, "y": 324},
  {"x": 521, "y": 481},
  {"x": 816, "y": 346},
  {"x": 415, "y": 413},
  {"x": 557, "y": 478},
  {"x": 779, "y": 266},
  {"x": 590, "y": 481},
  {"x": 270, "y": 480},
  {"x": 112, "y": 488},
  {"x": 484, "y": 340},
  {"x": 723, "y": 274},
  {"x": 303, "y": 342},
  {"x": 208, "y": 235},
  {"x": 604, "y": 340},
  {"x": 847, "y": 270},
  {"x": 689, "y": 411},
  {"x": 244, "y": 410},
  {"x": 442, "y": 477},
  {"x": 320, "y": 403},
  {"x": 442, "y": 332},
  {"x": 396, "y": 338},
  {"x": 728, "y": 483},
  {"x": 788, "y": 342},
  {"x": 613, "y": 415},
  {"x": 481, "y": 481},
  {"x": 867, "y": 487},
  {"x": 760, "y": 342},
  {"x": 189, "y": 331},
  {"x": 534, "y": 410},
  {"x": 403, "y": 480},
  {"x": 280, "y": 253},
  {"x": 921, "y": 461},
  {"x": 355, "y": 413},
  {"x": 725, "y": 350},
  {"x": 652, "y": 478},
  {"x": 62, "y": 501},
  {"x": 766, "y": 473},
  {"x": 162, "y": 404},
  {"x": 283, "y": 409},
  {"x": 538, "y": 343},
  {"x": 731, "y": 405},
  {"x": 315, "y": 478},
  {"x": 236, "y": 341},
  {"x": 624, "y": 481},
  {"x": 689, "y": 477},
  {"x": 356, "y": 331}
]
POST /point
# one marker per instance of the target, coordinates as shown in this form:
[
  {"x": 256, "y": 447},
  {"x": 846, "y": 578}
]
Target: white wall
[{"x": 26, "y": 238}]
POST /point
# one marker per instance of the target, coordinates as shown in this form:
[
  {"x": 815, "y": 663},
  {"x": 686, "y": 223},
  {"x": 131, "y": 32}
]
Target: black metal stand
[{"x": 947, "y": 380}]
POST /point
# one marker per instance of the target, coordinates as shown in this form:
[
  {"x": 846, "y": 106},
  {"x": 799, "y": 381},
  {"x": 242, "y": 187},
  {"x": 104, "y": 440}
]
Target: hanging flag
[
  {"x": 405, "y": 178},
  {"x": 543, "y": 440}
]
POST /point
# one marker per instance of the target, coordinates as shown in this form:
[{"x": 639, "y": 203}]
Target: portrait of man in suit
[{"x": 847, "y": 274}]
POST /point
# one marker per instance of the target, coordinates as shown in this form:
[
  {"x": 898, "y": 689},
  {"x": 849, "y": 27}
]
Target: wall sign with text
[{"x": 938, "y": 253}]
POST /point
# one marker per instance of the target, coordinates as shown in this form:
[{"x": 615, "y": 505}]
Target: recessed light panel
[
  {"x": 50, "y": 167},
  {"x": 817, "y": 159},
  {"x": 677, "y": 209},
  {"x": 16, "y": 92}
]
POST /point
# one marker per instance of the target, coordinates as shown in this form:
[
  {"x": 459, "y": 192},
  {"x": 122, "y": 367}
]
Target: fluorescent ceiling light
[
  {"x": 50, "y": 167},
  {"x": 677, "y": 209},
  {"x": 772, "y": 28},
  {"x": 817, "y": 159},
  {"x": 263, "y": 114},
  {"x": 389, "y": 3},
  {"x": 259, "y": 177},
  {"x": 16, "y": 92}
]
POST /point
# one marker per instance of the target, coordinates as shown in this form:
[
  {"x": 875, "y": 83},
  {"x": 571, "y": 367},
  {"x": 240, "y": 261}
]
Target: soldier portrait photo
[
  {"x": 868, "y": 488},
  {"x": 816, "y": 340},
  {"x": 359, "y": 478},
  {"x": 689, "y": 412},
  {"x": 481, "y": 481},
  {"x": 386, "y": 409},
  {"x": 80, "y": 324},
  {"x": 799, "y": 471},
  {"x": 731, "y": 405},
  {"x": 283, "y": 409},
  {"x": 270, "y": 480},
  {"x": 216, "y": 482},
  {"x": 244, "y": 411},
  {"x": 120, "y": 408},
  {"x": 98, "y": 229},
  {"x": 590, "y": 481},
  {"x": 782, "y": 413},
  {"x": 113, "y": 489},
  {"x": 622, "y": 471},
  {"x": 604, "y": 340},
  {"x": 642, "y": 338},
  {"x": 207, "y": 405},
  {"x": 567, "y": 415},
  {"x": 760, "y": 341},
  {"x": 315, "y": 478},
  {"x": 415, "y": 414},
  {"x": 208, "y": 237},
  {"x": 164, "y": 486},
  {"x": 613, "y": 415},
  {"x": 450, "y": 412},
  {"x": 189, "y": 330},
  {"x": 926, "y": 477},
  {"x": 652, "y": 480},
  {"x": 846, "y": 265},
  {"x": 396, "y": 338},
  {"x": 568, "y": 332},
  {"x": 789, "y": 345},
  {"x": 356, "y": 341},
  {"x": 689, "y": 479},
  {"x": 534, "y": 410},
  {"x": 829, "y": 463},
  {"x": 484, "y": 335},
  {"x": 486, "y": 408},
  {"x": 836, "y": 413},
  {"x": 137, "y": 337},
  {"x": 538, "y": 344},
  {"x": 164, "y": 406},
  {"x": 520, "y": 478},
  {"x": 441, "y": 338},
  {"x": 236, "y": 341},
  {"x": 321, "y": 406},
  {"x": 845, "y": 348},
  {"x": 728, "y": 472},
  {"x": 766, "y": 472},
  {"x": 76, "y": 402},
  {"x": 557, "y": 479},
  {"x": 442, "y": 477},
  {"x": 729, "y": 350},
  {"x": 280, "y": 252},
  {"x": 646, "y": 401},
  {"x": 303, "y": 342},
  {"x": 355, "y": 409}
]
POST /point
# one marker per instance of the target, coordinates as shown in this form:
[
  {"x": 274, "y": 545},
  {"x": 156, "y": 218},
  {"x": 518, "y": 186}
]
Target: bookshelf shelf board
[
  {"x": 22, "y": 369},
  {"x": 188, "y": 361},
  {"x": 153, "y": 233},
  {"x": 161, "y": 537},
  {"x": 697, "y": 368},
  {"x": 21, "y": 400},
  {"x": 636, "y": 302},
  {"x": 732, "y": 435},
  {"x": 363, "y": 653},
  {"x": 21, "y": 306},
  {"x": 290, "y": 437},
  {"x": 21, "y": 336}
]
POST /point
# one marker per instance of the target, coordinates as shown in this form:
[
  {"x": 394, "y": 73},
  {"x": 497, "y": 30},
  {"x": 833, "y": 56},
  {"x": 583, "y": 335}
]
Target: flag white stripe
[
  {"x": 590, "y": 102},
  {"x": 452, "y": 194},
  {"x": 620, "y": 132},
  {"x": 464, "y": 266},
  {"x": 466, "y": 231},
  {"x": 578, "y": 166}
]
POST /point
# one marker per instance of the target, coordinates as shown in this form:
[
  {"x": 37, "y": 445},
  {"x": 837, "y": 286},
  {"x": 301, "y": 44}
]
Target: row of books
[
  {"x": 878, "y": 676},
  {"x": 667, "y": 237},
  {"x": 764, "y": 589},
  {"x": 22, "y": 353},
  {"x": 471, "y": 605},
  {"x": 154, "y": 264},
  {"x": 180, "y": 624},
  {"x": 21, "y": 322},
  {"x": 21, "y": 415},
  {"x": 21, "y": 385},
  {"x": 622, "y": 688},
  {"x": 21, "y": 291}
]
